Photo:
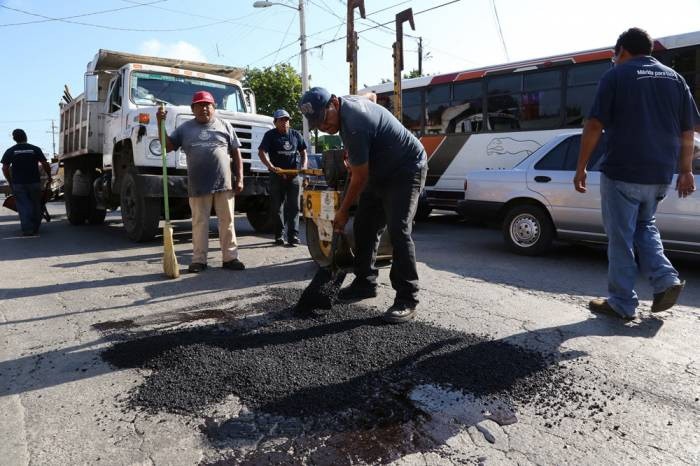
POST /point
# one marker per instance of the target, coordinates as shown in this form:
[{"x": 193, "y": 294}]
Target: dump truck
[{"x": 109, "y": 141}]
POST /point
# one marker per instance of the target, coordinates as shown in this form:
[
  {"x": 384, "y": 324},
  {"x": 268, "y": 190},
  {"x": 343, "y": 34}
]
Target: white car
[{"x": 536, "y": 202}]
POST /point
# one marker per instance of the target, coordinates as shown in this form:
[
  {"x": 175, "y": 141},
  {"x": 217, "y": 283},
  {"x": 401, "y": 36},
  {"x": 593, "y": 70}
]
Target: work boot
[
  {"x": 196, "y": 267},
  {"x": 667, "y": 298},
  {"x": 400, "y": 312},
  {"x": 233, "y": 264},
  {"x": 357, "y": 291},
  {"x": 279, "y": 241},
  {"x": 602, "y": 306},
  {"x": 293, "y": 241}
]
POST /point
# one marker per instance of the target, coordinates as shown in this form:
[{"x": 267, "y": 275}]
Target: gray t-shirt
[
  {"x": 373, "y": 135},
  {"x": 207, "y": 147}
]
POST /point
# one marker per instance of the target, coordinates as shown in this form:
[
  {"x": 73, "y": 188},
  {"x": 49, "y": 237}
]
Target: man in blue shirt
[
  {"x": 284, "y": 148},
  {"x": 648, "y": 113},
  {"x": 20, "y": 165},
  {"x": 388, "y": 166}
]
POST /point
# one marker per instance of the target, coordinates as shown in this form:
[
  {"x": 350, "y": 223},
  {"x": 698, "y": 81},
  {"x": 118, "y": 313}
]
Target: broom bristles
[{"x": 170, "y": 267}]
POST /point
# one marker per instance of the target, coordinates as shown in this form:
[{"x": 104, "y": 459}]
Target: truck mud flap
[{"x": 152, "y": 185}]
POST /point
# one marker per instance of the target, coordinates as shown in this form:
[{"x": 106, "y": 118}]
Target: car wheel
[{"x": 528, "y": 230}]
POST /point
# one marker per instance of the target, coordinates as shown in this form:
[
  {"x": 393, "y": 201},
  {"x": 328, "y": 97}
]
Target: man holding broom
[{"x": 209, "y": 144}]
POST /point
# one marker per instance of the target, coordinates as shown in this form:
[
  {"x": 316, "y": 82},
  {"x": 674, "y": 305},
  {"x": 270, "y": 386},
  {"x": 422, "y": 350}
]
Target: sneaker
[
  {"x": 196, "y": 267},
  {"x": 279, "y": 241},
  {"x": 667, "y": 298},
  {"x": 355, "y": 292},
  {"x": 233, "y": 264},
  {"x": 601, "y": 306},
  {"x": 400, "y": 312}
]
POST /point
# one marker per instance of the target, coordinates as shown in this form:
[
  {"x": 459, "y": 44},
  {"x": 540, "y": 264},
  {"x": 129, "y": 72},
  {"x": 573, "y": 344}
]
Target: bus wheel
[{"x": 528, "y": 230}]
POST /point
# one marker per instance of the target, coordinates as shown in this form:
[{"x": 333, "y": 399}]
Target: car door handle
[{"x": 543, "y": 179}]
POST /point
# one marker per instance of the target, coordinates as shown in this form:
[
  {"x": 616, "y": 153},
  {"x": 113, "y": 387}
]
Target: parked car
[{"x": 535, "y": 201}]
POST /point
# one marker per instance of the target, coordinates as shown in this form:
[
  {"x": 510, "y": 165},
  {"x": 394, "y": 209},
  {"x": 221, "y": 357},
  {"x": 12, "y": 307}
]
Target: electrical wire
[
  {"x": 500, "y": 32},
  {"x": 75, "y": 16}
]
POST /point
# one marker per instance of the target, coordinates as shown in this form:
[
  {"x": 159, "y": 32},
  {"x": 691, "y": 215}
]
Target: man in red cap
[{"x": 210, "y": 144}]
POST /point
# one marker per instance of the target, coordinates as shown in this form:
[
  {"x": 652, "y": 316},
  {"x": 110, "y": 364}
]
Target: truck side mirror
[
  {"x": 91, "y": 88},
  {"x": 250, "y": 100}
]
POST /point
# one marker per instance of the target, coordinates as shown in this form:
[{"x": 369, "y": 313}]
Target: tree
[
  {"x": 414, "y": 73},
  {"x": 278, "y": 87}
]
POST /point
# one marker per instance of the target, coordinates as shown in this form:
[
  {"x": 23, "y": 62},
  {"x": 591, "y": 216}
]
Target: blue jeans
[
  {"x": 28, "y": 198},
  {"x": 284, "y": 196},
  {"x": 629, "y": 217}
]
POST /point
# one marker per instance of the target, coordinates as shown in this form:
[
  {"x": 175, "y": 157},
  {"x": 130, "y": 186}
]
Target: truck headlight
[{"x": 154, "y": 147}]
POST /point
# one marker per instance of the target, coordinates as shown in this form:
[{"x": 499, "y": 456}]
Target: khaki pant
[{"x": 201, "y": 210}]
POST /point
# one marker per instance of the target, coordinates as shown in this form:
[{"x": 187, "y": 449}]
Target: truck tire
[
  {"x": 422, "y": 212},
  {"x": 259, "y": 215},
  {"x": 140, "y": 215},
  {"x": 77, "y": 207},
  {"x": 96, "y": 216},
  {"x": 528, "y": 230}
]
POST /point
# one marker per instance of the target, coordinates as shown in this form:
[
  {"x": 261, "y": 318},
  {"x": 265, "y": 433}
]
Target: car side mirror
[{"x": 91, "y": 88}]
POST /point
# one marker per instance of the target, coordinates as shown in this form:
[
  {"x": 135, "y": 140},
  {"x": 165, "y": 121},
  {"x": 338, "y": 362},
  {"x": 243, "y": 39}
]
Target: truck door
[{"x": 113, "y": 118}]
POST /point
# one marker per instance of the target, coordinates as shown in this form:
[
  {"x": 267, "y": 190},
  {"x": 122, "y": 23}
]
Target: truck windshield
[{"x": 148, "y": 88}]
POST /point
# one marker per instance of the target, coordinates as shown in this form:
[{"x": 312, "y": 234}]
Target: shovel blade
[{"x": 321, "y": 293}]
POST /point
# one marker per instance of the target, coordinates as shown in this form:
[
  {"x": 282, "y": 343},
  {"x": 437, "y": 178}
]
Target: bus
[{"x": 494, "y": 117}]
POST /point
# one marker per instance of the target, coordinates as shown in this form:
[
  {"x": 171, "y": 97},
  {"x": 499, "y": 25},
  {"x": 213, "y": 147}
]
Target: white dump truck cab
[{"x": 111, "y": 147}]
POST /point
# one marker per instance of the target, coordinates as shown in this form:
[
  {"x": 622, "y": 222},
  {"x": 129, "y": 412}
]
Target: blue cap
[
  {"x": 313, "y": 105},
  {"x": 280, "y": 113}
]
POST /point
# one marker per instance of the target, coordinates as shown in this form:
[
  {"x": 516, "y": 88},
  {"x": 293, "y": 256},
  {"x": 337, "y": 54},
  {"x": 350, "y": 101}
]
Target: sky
[{"x": 47, "y": 44}]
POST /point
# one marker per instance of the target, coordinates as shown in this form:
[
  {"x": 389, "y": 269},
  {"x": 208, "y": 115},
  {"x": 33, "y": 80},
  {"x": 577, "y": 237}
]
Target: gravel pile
[{"x": 344, "y": 370}]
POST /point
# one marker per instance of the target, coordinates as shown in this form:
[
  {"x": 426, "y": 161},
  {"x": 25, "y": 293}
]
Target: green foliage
[
  {"x": 278, "y": 87},
  {"x": 327, "y": 141},
  {"x": 414, "y": 73}
]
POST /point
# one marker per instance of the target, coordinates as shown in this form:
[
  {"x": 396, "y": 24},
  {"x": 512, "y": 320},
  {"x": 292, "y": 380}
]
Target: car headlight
[{"x": 155, "y": 147}]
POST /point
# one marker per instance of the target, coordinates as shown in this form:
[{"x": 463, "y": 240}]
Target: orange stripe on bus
[
  {"x": 470, "y": 75},
  {"x": 431, "y": 143},
  {"x": 593, "y": 56}
]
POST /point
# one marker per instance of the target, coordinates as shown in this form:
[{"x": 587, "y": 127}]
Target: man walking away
[
  {"x": 388, "y": 166},
  {"x": 648, "y": 113},
  {"x": 210, "y": 145},
  {"x": 284, "y": 148},
  {"x": 20, "y": 165}
]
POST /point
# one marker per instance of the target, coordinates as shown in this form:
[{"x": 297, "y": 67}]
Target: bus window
[
  {"x": 412, "y": 103},
  {"x": 540, "y": 103},
  {"x": 582, "y": 82},
  {"x": 465, "y": 112},
  {"x": 437, "y": 100}
]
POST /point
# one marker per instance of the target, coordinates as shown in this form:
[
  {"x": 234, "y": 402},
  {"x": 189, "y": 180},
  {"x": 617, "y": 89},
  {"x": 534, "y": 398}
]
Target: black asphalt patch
[{"x": 337, "y": 376}]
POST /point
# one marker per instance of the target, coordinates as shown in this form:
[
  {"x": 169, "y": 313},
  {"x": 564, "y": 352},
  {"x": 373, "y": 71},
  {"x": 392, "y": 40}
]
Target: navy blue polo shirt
[
  {"x": 24, "y": 161},
  {"x": 373, "y": 135},
  {"x": 644, "y": 107},
  {"x": 283, "y": 149}
]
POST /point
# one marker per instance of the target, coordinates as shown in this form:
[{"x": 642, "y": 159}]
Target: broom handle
[{"x": 165, "y": 169}]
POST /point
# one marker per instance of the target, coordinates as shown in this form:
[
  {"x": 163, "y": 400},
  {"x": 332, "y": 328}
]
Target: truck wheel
[
  {"x": 422, "y": 212},
  {"x": 140, "y": 214},
  {"x": 95, "y": 216},
  {"x": 259, "y": 216},
  {"x": 77, "y": 207},
  {"x": 528, "y": 230}
]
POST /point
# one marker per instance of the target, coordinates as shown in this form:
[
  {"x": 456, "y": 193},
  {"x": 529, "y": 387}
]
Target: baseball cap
[
  {"x": 313, "y": 105},
  {"x": 280, "y": 113},
  {"x": 202, "y": 96}
]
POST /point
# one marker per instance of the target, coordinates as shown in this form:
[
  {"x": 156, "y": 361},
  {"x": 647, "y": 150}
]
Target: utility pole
[
  {"x": 53, "y": 138},
  {"x": 351, "y": 47},
  {"x": 405, "y": 15},
  {"x": 420, "y": 56}
]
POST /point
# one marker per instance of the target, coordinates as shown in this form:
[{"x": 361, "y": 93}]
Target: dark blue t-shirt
[
  {"x": 283, "y": 149},
  {"x": 24, "y": 161},
  {"x": 373, "y": 135},
  {"x": 644, "y": 107}
]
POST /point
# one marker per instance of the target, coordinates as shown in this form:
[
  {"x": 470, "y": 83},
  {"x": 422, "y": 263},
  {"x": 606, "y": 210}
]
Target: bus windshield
[{"x": 148, "y": 88}]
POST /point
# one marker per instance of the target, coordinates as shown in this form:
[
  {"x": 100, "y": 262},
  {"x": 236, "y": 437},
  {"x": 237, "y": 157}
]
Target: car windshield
[{"x": 148, "y": 88}]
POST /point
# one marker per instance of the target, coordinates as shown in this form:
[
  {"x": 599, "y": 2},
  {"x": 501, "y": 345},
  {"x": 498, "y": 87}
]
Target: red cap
[{"x": 202, "y": 96}]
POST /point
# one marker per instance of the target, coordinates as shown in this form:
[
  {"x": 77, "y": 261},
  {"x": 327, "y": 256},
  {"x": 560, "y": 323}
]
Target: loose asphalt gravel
[{"x": 340, "y": 373}]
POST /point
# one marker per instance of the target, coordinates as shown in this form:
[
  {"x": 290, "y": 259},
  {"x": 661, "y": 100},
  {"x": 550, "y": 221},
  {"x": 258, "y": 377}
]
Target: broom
[{"x": 170, "y": 267}]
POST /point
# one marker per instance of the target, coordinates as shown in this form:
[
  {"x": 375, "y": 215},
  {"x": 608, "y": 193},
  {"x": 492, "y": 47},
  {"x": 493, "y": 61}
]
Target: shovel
[{"x": 320, "y": 295}]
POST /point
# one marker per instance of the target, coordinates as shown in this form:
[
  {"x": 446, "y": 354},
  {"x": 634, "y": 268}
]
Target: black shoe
[
  {"x": 196, "y": 267},
  {"x": 602, "y": 306},
  {"x": 399, "y": 313},
  {"x": 233, "y": 264},
  {"x": 355, "y": 292},
  {"x": 279, "y": 241},
  {"x": 667, "y": 298},
  {"x": 293, "y": 241}
]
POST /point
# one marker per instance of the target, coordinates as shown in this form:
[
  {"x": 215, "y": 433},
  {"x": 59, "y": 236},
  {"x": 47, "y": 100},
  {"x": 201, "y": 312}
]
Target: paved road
[{"x": 602, "y": 392}]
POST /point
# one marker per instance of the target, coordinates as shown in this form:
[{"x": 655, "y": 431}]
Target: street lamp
[{"x": 302, "y": 42}]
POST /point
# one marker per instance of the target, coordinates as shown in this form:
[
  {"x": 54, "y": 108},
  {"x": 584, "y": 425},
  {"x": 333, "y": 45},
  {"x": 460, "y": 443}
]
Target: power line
[
  {"x": 75, "y": 16},
  {"x": 114, "y": 28},
  {"x": 500, "y": 32}
]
